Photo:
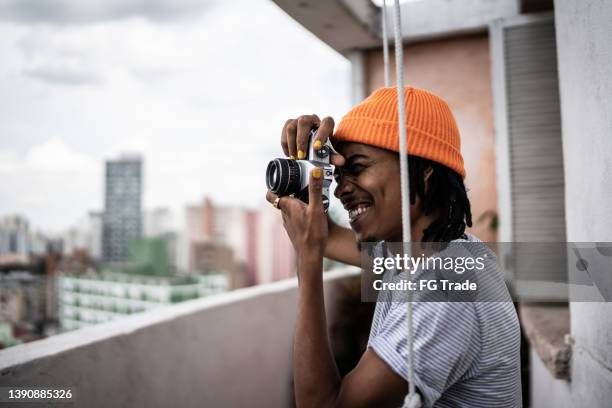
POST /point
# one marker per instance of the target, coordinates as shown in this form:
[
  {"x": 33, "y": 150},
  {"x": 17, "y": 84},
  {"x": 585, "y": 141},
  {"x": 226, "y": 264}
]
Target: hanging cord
[
  {"x": 412, "y": 400},
  {"x": 385, "y": 39}
]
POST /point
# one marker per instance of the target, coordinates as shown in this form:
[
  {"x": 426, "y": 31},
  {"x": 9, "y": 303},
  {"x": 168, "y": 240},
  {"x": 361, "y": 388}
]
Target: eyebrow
[{"x": 349, "y": 162}]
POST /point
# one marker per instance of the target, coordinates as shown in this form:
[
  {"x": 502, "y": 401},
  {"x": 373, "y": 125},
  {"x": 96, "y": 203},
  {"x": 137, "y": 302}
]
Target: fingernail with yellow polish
[
  {"x": 316, "y": 173},
  {"x": 292, "y": 157},
  {"x": 301, "y": 154},
  {"x": 317, "y": 144}
]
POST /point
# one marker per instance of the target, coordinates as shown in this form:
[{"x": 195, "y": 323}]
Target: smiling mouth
[{"x": 358, "y": 212}]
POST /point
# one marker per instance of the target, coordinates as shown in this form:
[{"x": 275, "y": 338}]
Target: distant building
[
  {"x": 123, "y": 210},
  {"x": 275, "y": 254},
  {"x": 142, "y": 283},
  {"x": 7, "y": 338},
  {"x": 19, "y": 244},
  {"x": 96, "y": 225},
  {"x": 91, "y": 299},
  {"x": 159, "y": 223},
  {"x": 14, "y": 235},
  {"x": 85, "y": 236},
  {"x": 22, "y": 298},
  {"x": 253, "y": 242},
  {"x": 210, "y": 257},
  {"x": 221, "y": 237}
]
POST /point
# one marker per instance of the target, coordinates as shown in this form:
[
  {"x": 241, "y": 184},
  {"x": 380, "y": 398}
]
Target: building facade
[
  {"x": 14, "y": 236},
  {"x": 221, "y": 239},
  {"x": 122, "y": 207},
  {"x": 91, "y": 299}
]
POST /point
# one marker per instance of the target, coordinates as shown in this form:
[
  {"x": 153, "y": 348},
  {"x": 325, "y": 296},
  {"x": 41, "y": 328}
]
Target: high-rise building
[
  {"x": 14, "y": 235},
  {"x": 123, "y": 207}
]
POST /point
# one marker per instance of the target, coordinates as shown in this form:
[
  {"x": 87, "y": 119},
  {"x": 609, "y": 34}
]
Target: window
[{"x": 530, "y": 175}]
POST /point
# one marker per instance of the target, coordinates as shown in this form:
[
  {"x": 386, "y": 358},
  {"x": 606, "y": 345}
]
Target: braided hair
[{"x": 443, "y": 193}]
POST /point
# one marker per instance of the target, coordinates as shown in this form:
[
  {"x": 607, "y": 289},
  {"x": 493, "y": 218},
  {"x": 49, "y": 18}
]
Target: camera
[{"x": 288, "y": 177}]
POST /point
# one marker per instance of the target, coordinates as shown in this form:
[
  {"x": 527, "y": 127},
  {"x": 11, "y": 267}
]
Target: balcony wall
[{"x": 229, "y": 350}]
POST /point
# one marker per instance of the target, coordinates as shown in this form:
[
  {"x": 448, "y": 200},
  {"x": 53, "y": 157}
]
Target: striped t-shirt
[{"x": 466, "y": 354}]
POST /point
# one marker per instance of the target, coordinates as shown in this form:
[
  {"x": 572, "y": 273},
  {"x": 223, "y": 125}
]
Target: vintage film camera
[{"x": 287, "y": 177}]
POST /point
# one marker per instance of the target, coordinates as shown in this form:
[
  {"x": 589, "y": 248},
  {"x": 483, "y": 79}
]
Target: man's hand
[
  {"x": 306, "y": 224},
  {"x": 294, "y": 138}
]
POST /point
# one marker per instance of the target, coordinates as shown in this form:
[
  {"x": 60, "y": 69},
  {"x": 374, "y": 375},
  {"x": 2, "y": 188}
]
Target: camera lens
[{"x": 283, "y": 176}]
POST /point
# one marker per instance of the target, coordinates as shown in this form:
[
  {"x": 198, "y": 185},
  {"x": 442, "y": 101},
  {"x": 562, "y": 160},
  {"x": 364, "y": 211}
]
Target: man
[{"x": 466, "y": 353}]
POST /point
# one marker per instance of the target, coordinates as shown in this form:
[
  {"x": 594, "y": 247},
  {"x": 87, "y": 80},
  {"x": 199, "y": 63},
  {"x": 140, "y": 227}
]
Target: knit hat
[{"x": 432, "y": 132}]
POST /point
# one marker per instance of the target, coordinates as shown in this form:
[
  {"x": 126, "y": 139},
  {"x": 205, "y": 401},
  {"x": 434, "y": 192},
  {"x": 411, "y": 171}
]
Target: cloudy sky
[{"x": 200, "y": 88}]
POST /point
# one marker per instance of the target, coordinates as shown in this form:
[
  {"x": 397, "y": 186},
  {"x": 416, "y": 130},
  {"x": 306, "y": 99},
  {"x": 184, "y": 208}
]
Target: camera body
[{"x": 288, "y": 177}]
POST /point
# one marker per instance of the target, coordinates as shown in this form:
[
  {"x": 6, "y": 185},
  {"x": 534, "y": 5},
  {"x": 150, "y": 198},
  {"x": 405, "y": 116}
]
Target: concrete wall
[
  {"x": 230, "y": 350},
  {"x": 585, "y": 61},
  {"x": 546, "y": 392},
  {"x": 459, "y": 71}
]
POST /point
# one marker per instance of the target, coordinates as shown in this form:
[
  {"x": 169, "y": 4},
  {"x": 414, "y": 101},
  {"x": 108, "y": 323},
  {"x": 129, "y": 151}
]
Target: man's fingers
[
  {"x": 270, "y": 196},
  {"x": 285, "y": 204},
  {"x": 282, "y": 202},
  {"x": 290, "y": 134},
  {"x": 325, "y": 131},
  {"x": 296, "y": 133},
  {"x": 284, "y": 144},
  {"x": 304, "y": 125},
  {"x": 315, "y": 185}
]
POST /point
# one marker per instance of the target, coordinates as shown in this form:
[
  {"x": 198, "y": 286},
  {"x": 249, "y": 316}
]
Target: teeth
[{"x": 357, "y": 211}]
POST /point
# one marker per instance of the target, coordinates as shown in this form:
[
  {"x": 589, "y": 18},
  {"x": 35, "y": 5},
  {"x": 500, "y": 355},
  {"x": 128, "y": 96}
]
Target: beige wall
[{"x": 458, "y": 70}]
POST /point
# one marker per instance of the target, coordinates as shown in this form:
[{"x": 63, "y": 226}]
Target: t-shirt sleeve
[{"x": 446, "y": 344}]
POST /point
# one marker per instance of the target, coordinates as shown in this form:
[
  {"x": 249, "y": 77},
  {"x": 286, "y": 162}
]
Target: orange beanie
[{"x": 431, "y": 128}]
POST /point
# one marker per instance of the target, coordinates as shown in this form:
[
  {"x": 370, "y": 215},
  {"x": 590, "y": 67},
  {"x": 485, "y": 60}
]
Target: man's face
[{"x": 369, "y": 189}]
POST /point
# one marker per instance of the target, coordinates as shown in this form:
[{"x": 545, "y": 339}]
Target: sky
[{"x": 200, "y": 88}]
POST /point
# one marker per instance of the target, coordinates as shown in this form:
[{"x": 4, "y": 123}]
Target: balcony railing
[{"x": 228, "y": 350}]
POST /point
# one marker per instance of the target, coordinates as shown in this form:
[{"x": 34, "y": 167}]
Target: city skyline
[{"x": 79, "y": 88}]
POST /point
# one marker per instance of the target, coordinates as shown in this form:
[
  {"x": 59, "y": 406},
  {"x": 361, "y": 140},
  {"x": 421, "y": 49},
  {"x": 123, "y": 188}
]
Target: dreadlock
[{"x": 443, "y": 193}]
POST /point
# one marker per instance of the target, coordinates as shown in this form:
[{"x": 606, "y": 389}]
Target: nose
[{"x": 344, "y": 187}]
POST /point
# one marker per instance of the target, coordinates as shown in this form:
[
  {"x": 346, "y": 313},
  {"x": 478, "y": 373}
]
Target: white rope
[
  {"x": 413, "y": 399},
  {"x": 385, "y": 39}
]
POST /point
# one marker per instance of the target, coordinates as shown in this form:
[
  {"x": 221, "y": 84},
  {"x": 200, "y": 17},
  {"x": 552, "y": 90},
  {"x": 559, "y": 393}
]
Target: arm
[
  {"x": 317, "y": 381},
  {"x": 341, "y": 245}
]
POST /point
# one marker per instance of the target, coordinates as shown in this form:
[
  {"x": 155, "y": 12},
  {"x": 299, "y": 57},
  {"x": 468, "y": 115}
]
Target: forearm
[
  {"x": 316, "y": 377},
  {"x": 341, "y": 245}
]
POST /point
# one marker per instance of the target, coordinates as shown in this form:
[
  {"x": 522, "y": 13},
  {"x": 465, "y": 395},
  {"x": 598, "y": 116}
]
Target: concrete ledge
[
  {"x": 546, "y": 325},
  {"x": 228, "y": 350},
  {"x": 24, "y": 353}
]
